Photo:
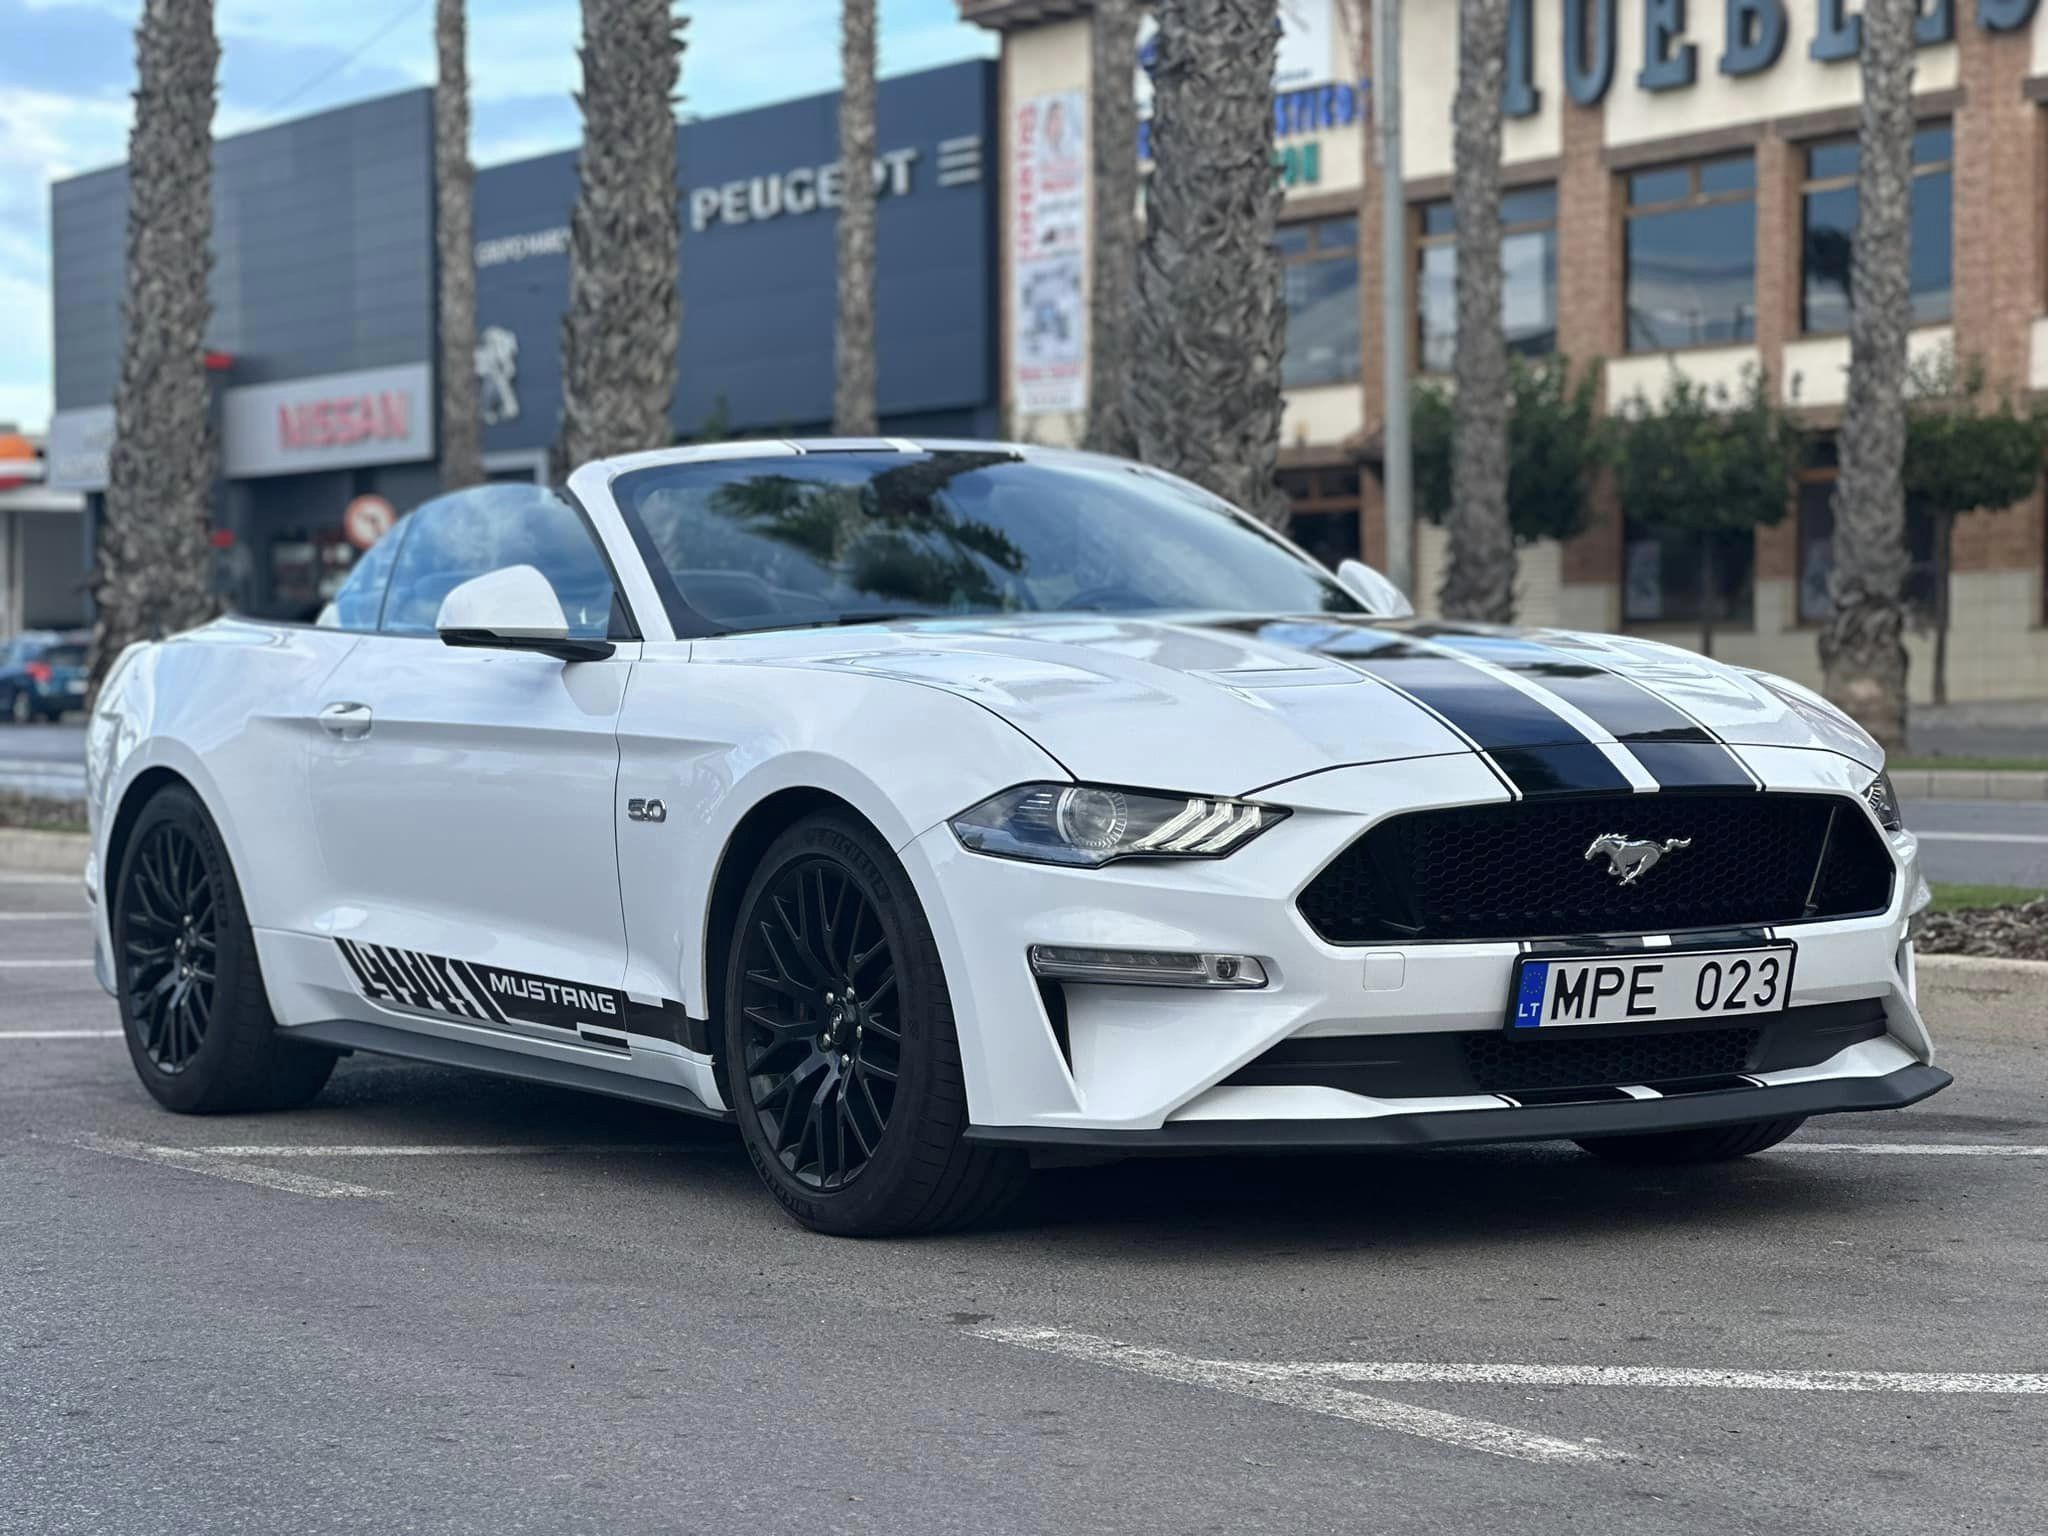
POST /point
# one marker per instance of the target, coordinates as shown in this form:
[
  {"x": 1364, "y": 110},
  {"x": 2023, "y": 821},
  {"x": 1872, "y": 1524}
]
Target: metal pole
[{"x": 1399, "y": 480}]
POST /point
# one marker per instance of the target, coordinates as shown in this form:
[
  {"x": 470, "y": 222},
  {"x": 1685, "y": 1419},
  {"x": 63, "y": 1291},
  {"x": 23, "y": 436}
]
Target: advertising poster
[{"x": 1049, "y": 253}]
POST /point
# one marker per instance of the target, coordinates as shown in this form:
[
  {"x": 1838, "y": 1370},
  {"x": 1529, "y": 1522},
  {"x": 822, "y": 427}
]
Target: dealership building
[
  {"x": 1677, "y": 198},
  {"x": 322, "y": 345}
]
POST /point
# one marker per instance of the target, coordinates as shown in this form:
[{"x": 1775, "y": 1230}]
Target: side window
[
  {"x": 472, "y": 533},
  {"x": 357, "y": 604}
]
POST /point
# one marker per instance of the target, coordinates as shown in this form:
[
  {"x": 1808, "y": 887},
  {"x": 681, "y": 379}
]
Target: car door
[{"x": 461, "y": 798}]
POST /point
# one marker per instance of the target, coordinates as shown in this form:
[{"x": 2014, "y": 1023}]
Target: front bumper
[
  {"x": 1482, "y": 1127},
  {"x": 1119, "y": 1065}
]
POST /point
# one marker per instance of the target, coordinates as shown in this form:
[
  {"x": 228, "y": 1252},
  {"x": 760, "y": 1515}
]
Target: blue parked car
[{"x": 41, "y": 676}]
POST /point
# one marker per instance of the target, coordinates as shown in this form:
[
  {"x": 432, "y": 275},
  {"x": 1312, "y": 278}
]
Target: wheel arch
[
  {"x": 763, "y": 822},
  {"x": 138, "y": 792}
]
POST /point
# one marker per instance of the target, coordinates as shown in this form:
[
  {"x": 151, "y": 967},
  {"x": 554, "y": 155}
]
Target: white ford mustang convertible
[{"x": 924, "y": 806}]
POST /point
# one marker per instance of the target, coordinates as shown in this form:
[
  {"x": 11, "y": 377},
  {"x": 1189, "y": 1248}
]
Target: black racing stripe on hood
[
  {"x": 1676, "y": 750},
  {"x": 1536, "y": 749}
]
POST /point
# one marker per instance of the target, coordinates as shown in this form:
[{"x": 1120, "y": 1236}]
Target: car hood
[{"x": 1232, "y": 705}]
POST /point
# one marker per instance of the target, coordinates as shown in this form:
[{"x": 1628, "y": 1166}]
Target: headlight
[
  {"x": 1091, "y": 825},
  {"x": 1884, "y": 800}
]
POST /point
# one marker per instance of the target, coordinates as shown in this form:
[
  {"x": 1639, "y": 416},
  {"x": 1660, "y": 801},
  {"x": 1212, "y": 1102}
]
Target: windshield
[
  {"x": 63, "y": 656},
  {"x": 838, "y": 538}
]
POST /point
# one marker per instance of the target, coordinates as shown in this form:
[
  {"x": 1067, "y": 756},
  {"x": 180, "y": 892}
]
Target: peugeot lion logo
[{"x": 1630, "y": 857}]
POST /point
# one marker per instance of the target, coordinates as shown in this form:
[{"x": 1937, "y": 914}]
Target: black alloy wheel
[
  {"x": 837, "y": 1047},
  {"x": 821, "y": 1023},
  {"x": 194, "y": 1007},
  {"x": 171, "y": 946}
]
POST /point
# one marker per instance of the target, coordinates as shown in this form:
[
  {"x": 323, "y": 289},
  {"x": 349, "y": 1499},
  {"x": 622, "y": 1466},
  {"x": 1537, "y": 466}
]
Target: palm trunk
[
  {"x": 1479, "y": 576},
  {"x": 1862, "y": 651},
  {"x": 1210, "y": 326},
  {"x": 624, "y": 320},
  {"x": 853, "y": 394},
  {"x": 1113, "y": 283},
  {"x": 154, "y": 564},
  {"x": 462, "y": 461},
  {"x": 1944, "y": 557}
]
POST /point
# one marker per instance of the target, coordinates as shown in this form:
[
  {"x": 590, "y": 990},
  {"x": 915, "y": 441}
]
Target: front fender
[{"x": 718, "y": 741}]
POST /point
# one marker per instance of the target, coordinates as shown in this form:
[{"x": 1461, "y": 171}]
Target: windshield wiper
[{"x": 839, "y": 622}]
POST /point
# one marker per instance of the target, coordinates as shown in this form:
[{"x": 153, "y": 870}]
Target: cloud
[{"x": 68, "y": 68}]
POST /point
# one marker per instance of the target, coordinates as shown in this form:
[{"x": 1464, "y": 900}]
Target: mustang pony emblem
[{"x": 1629, "y": 857}]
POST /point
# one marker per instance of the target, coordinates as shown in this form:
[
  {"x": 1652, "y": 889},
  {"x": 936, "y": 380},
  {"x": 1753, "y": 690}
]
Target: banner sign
[{"x": 1049, "y": 254}]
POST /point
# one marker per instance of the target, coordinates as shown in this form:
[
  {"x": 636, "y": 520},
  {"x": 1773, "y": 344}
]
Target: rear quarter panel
[{"x": 228, "y": 708}]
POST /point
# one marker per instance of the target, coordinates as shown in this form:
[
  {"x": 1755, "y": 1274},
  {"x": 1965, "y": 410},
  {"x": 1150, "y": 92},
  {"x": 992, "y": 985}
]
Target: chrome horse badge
[{"x": 1631, "y": 857}]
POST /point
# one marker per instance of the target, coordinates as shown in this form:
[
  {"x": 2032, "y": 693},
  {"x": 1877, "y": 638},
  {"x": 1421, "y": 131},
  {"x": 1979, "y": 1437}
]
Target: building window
[
  {"x": 1319, "y": 265},
  {"x": 1817, "y": 542},
  {"x": 1326, "y": 512},
  {"x": 1692, "y": 254},
  {"x": 1830, "y": 228},
  {"x": 1528, "y": 251},
  {"x": 1670, "y": 578}
]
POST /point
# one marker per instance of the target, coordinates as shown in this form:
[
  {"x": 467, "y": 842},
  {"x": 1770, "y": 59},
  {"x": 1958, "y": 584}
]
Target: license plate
[
  {"x": 76, "y": 685},
  {"x": 1649, "y": 986}
]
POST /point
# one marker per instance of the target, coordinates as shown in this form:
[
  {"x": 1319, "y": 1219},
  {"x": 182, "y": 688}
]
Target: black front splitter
[{"x": 1480, "y": 1127}]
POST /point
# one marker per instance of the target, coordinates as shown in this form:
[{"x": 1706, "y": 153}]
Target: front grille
[
  {"x": 1501, "y": 1063},
  {"x": 1520, "y": 871}
]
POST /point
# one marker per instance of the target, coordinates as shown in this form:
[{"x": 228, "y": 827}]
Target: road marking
[
  {"x": 1270, "y": 1385},
  {"x": 77, "y": 880},
  {"x": 60, "y": 1034},
  {"x": 222, "y": 1168},
  {"x": 31, "y": 965},
  {"x": 45, "y": 917},
  {"x": 413, "y": 1151},
  {"x": 2007, "y": 1383},
  {"x": 1917, "y": 1148},
  {"x": 2030, "y": 838}
]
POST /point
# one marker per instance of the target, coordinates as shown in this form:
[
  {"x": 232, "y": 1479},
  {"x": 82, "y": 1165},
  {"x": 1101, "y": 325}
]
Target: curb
[
  {"x": 1983, "y": 973},
  {"x": 1969, "y": 784},
  {"x": 43, "y": 853}
]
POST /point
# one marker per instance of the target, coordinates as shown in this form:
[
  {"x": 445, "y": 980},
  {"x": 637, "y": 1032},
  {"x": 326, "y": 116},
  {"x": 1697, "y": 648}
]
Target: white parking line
[
  {"x": 77, "y": 880},
  {"x": 2030, "y": 838},
  {"x": 37, "y": 965},
  {"x": 1917, "y": 1148},
  {"x": 412, "y": 1151},
  {"x": 222, "y": 1168},
  {"x": 60, "y": 1034},
  {"x": 1265, "y": 1384},
  {"x": 45, "y": 917},
  {"x": 2023, "y": 1383}
]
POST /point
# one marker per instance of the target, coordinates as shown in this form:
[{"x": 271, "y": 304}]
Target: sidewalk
[{"x": 2001, "y": 728}]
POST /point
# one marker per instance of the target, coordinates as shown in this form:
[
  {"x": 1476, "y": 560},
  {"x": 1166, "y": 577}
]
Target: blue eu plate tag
[{"x": 1529, "y": 1001}]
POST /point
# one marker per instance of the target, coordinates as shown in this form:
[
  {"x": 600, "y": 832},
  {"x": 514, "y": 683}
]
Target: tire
[
  {"x": 861, "y": 1136},
  {"x": 1708, "y": 1144},
  {"x": 202, "y": 1043}
]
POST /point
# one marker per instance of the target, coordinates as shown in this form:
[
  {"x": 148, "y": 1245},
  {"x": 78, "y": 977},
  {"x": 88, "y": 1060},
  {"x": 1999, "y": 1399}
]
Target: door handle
[{"x": 350, "y": 722}]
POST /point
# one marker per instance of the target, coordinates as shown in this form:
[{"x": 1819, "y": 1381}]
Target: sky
[{"x": 67, "y": 73}]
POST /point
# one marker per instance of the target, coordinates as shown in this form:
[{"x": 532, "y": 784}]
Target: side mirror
[
  {"x": 1381, "y": 597},
  {"x": 513, "y": 610}
]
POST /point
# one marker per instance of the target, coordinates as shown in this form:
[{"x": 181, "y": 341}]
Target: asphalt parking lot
[{"x": 437, "y": 1302}]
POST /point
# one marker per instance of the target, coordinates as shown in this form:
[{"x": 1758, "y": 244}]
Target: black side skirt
[
  {"x": 384, "y": 1040},
  {"x": 1469, "y": 1127}
]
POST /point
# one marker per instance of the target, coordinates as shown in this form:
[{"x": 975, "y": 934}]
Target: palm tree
[
  {"x": 1479, "y": 578},
  {"x": 154, "y": 566},
  {"x": 1113, "y": 282},
  {"x": 1863, "y": 657},
  {"x": 462, "y": 461},
  {"x": 625, "y": 305},
  {"x": 853, "y": 392},
  {"x": 1210, "y": 324}
]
